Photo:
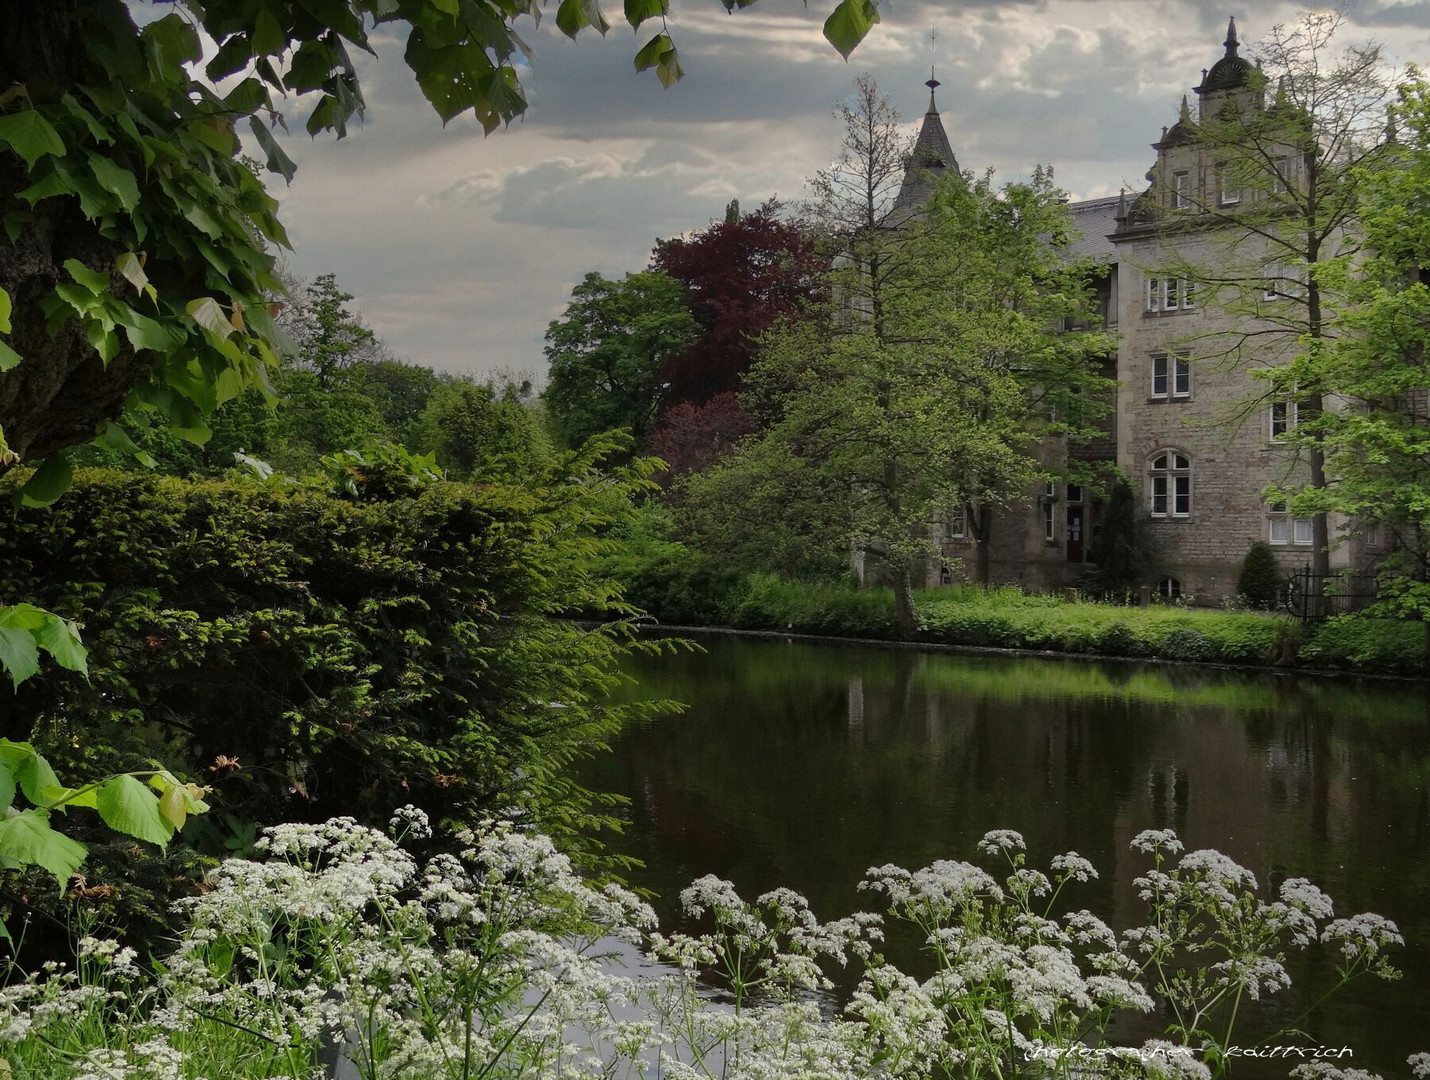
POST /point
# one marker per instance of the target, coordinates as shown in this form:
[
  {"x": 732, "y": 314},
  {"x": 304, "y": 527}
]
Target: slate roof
[
  {"x": 1097, "y": 220},
  {"x": 932, "y": 159}
]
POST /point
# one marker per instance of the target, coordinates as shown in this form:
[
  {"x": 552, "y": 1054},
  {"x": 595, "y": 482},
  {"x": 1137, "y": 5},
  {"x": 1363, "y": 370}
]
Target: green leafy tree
[
  {"x": 328, "y": 339},
  {"x": 1376, "y": 438},
  {"x": 881, "y": 427},
  {"x": 136, "y": 253},
  {"x": 481, "y": 431},
  {"x": 608, "y": 355}
]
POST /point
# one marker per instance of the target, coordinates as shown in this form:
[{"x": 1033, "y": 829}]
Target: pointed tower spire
[
  {"x": 1231, "y": 43},
  {"x": 1185, "y": 116},
  {"x": 932, "y": 158}
]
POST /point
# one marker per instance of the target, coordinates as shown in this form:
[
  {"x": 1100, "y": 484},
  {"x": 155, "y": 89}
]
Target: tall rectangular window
[
  {"x": 1282, "y": 183},
  {"x": 1159, "y": 376},
  {"x": 1181, "y": 377},
  {"x": 1181, "y": 190},
  {"x": 1283, "y": 419},
  {"x": 1301, "y": 531},
  {"x": 1181, "y": 495},
  {"x": 1159, "y": 496},
  {"x": 1050, "y": 495},
  {"x": 958, "y": 524},
  {"x": 1227, "y": 192}
]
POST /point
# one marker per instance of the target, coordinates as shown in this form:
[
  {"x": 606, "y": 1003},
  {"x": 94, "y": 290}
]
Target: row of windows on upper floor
[
  {"x": 1278, "y": 281},
  {"x": 1232, "y": 184}
]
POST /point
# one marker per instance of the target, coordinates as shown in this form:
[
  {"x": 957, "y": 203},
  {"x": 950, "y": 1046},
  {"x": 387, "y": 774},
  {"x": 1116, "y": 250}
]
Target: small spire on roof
[
  {"x": 1231, "y": 43},
  {"x": 933, "y": 84},
  {"x": 1185, "y": 116},
  {"x": 1391, "y": 134}
]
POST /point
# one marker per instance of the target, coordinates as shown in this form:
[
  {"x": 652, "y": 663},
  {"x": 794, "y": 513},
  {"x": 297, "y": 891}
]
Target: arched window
[
  {"x": 1169, "y": 588},
  {"x": 1171, "y": 484}
]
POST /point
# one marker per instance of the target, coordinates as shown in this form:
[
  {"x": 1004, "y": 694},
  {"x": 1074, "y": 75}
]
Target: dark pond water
[{"x": 802, "y": 765}]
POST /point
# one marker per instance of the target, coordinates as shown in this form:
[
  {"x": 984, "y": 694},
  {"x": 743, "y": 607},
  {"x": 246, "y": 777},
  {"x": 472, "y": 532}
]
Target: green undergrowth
[{"x": 1011, "y": 619}]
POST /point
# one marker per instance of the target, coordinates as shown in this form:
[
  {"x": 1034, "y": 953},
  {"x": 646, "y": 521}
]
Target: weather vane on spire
[{"x": 933, "y": 82}]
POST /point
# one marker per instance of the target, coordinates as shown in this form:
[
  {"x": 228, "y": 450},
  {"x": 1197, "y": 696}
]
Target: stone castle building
[{"x": 1195, "y": 433}]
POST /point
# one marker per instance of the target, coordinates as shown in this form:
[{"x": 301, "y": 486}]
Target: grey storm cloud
[{"x": 462, "y": 247}]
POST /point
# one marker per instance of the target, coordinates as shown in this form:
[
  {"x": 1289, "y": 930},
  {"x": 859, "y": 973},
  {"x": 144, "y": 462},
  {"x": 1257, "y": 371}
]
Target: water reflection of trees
[{"x": 803, "y": 765}]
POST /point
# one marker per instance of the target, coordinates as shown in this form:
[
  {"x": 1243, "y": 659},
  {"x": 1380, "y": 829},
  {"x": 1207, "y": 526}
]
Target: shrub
[
  {"x": 1355, "y": 641},
  {"x": 1120, "y": 554},
  {"x": 1261, "y": 578},
  {"x": 309, "y": 655}
]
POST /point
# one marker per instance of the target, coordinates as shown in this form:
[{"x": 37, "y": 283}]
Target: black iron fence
[{"x": 1318, "y": 596}]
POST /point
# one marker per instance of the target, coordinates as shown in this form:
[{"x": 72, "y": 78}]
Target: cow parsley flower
[
  {"x": 1154, "y": 841},
  {"x": 1074, "y": 867},
  {"x": 999, "y": 840}
]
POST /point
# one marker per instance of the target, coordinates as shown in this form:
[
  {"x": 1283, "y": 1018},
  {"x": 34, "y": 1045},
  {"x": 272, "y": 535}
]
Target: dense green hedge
[{"x": 347, "y": 656}]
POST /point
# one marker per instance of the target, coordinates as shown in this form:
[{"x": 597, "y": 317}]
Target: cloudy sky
[{"x": 461, "y": 248}]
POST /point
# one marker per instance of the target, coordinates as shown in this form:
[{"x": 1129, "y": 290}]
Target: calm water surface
[{"x": 802, "y": 765}]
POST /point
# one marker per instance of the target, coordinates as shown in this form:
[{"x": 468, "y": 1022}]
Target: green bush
[
  {"x": 1260, "y": 578},
  {"x": 312, "y": 656},
  {"x": 1355, "y": 641}
]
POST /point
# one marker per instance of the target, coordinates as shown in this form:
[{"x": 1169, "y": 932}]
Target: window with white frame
[
  {"x": 957, "y": 524},
  {"x": 1181, "y": 190},
  {"x": 1282, "y": 282},
  {"x": 1282, "y": 183},
  {"x": 1282, "y": 419},
  {"x": 1170, "y": 294},
  {"x": 1170, "y": 487},
  {"x": 1227, "y": 189},
  {"x": 1050, "y": 496},
  {"x": 1283, "y": 529},
  {"x": 1171, "y": 376},
  {"x": 1372, "y": 534}
]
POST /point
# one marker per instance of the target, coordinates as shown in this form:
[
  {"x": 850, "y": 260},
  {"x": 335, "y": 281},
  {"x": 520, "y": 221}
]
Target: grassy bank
[{"x": 1008, "y": 618}]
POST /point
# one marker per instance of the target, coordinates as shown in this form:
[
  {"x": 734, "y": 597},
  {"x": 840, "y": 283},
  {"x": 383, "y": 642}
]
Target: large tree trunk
[{"x": 906, "y": 621}]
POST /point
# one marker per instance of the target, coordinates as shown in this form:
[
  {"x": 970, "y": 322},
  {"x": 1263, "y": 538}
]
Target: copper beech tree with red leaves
[{"x": 743, "y": 274}]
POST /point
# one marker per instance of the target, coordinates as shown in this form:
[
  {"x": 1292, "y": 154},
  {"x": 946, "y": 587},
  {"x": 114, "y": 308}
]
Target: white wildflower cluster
[
  {"x": 494, "y": 959},
  {"x": 1073, "y": 867},
  {"x": 1363, "y": 940},
  {"x": 1325, "y": 1070},
  {"x": 410, "y": 823},
  {"x": 998, "y": 841},
  {"x": 1156, "y": 841}
]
